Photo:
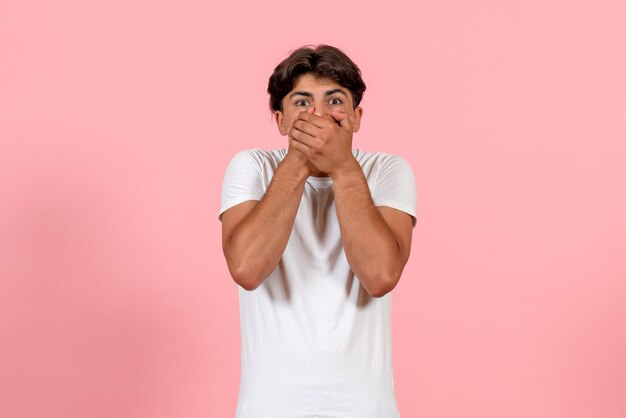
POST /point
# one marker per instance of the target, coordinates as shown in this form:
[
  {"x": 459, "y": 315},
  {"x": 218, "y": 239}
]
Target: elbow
[
  {"x": 248, "y": 285},
  {"x": 379, "y": 291},
  {"x": 382, "y": 285},
  {"x": 245, "y": 276},
  {"x": 242, "y": 272}
]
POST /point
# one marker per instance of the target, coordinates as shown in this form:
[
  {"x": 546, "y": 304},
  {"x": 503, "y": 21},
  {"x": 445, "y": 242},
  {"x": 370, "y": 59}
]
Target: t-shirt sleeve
[
  {"x": 395, "y": 186},
  {"x": 242, "y": 181}
]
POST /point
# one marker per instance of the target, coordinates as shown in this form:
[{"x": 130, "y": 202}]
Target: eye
[
  {"x": 335, "y": 101},
  {"x": 302, "y": 102}
]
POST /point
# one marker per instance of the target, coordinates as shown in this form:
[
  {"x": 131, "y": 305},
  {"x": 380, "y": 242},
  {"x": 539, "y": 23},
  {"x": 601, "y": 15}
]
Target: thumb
[{"x": 311, "y": 109}]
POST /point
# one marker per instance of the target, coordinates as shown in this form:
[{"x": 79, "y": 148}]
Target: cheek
[
  {"x": 289, "y": 118},
  {"x": 345, "y": 107},
  {"x": 286, "y": 122}
]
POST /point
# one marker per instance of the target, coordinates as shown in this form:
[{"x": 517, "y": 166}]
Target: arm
[
  {"x": 255, "y": 234},
  {"x": 377, "y": 241}
]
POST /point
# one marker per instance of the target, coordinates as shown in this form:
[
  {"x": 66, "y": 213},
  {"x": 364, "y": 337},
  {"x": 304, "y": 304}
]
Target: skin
[
  {"x": 310, "y": 115},
  {"x": 319, "y": 119}
]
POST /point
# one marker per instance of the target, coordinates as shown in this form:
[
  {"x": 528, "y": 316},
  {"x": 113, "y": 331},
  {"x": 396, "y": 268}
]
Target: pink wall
[{"x": 117, "y": 120}]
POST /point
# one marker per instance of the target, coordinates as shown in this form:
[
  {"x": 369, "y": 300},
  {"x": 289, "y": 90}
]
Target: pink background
[{"x": 117, "y": 121}]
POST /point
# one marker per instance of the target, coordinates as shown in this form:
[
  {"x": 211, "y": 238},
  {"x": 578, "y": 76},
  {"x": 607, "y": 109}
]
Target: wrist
[
  {"x": 296, "y": 165},
  {"x": 351, "y": 168}
]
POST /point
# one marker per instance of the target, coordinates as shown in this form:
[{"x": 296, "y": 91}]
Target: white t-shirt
[{"x": 313, "y": 342}]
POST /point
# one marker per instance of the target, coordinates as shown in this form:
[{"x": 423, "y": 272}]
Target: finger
[
  {"x": 342, "y": 119},
  {"x": 310, "y": 110},
  {"x": 330, "y": 119},
  {"x": 318, "y": 121},
  {"x": 301, "y": 137},
  {"x": 300, "y": 147},
  {"x": 306, "y": 127}
]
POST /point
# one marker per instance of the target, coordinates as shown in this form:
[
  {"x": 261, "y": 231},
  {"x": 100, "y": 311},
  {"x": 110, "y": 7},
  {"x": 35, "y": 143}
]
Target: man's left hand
[{"x": 325, "y": 140}]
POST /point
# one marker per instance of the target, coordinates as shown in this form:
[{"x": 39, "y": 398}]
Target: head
[{"x": 324, "y": 69}]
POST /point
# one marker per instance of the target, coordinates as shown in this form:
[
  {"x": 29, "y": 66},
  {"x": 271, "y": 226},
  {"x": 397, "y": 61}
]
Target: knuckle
[{"x": 318, "y": 146}]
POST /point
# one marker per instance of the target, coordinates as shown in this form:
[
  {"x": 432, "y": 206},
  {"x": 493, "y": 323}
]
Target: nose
[{"x": 320, "y": 109}]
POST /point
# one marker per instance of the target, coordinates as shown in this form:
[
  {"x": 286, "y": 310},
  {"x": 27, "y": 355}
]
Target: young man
[{"x": 316, "y": 236}]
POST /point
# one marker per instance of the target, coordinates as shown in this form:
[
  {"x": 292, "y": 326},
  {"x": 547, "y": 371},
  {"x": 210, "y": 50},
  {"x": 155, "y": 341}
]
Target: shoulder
[
  {"x": 248, "y": 175},
  {"x": 391, "y": 180},
  {"x": 260, "y": 155},
  {"x": 256, "y": 159},
  {"x": 381, "y": 162}
]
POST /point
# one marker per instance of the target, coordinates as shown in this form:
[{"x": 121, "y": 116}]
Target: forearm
[
  {"x": 369, "y": 243},
  {"x": 257, "y": 243}
]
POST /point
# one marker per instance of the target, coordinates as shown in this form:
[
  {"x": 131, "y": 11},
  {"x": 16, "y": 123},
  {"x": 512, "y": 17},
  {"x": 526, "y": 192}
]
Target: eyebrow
[
  {"x": 307, "y": 94},
  {"x": 300, "y": 93},
  {"x": 329, "y": 92}
]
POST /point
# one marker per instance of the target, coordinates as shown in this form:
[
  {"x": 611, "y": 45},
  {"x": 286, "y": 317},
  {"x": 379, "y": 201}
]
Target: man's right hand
[{"x": 297, "y": 158}]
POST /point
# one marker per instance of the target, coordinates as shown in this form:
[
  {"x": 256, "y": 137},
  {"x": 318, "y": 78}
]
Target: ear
[
  {"x": 356, "y": 122},
  {"x": 280, "y": 122}
]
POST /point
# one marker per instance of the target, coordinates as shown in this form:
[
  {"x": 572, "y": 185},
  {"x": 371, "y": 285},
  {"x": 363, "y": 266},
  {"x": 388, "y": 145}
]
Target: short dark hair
[{"x": 323, "y": 61}]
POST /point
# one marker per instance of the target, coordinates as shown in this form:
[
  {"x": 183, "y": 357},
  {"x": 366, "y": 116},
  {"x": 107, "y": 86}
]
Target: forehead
[{"x": 311, "y": 83}]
